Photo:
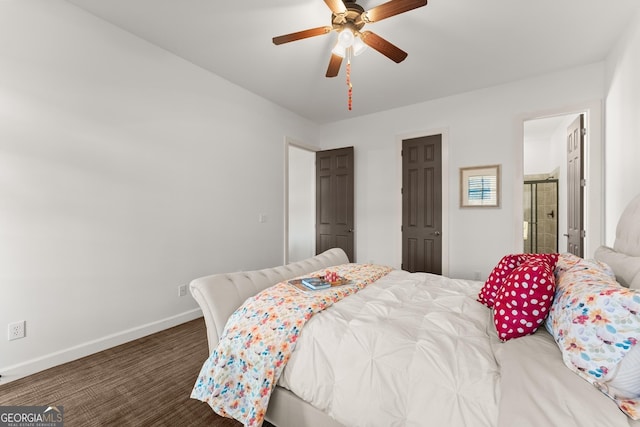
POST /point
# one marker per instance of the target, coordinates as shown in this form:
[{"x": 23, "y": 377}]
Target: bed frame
[{"x": 219, "y": 295}]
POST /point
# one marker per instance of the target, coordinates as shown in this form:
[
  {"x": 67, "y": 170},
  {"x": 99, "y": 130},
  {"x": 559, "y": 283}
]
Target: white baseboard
[{"x": 29, "y": 367}]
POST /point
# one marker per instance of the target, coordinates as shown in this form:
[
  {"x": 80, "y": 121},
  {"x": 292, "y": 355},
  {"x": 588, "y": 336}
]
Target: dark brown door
[
  {"x": 334, "y": 201},
  {"x": 422, "y": 204},
  {"x": 575, "y": 187}
]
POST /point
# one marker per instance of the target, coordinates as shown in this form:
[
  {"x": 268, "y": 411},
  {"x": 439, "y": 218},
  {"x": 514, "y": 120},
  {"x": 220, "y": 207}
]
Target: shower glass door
[{"x": 540, "y": 228}]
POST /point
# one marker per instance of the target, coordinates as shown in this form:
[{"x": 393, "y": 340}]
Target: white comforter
[{"x": 418, "y": 350}]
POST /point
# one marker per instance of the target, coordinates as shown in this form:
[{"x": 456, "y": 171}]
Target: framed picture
[{"x": 480, "y": 187}]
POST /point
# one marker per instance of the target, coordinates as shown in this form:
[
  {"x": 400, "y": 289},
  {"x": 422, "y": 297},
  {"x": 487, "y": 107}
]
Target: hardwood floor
[{"x": 146, "y": 382}]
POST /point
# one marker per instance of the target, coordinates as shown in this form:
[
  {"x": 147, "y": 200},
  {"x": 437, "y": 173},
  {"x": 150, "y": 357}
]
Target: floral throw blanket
[{"x": 239, "y": 376}]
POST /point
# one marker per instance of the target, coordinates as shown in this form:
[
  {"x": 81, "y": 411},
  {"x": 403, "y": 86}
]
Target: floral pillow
[
  {"x": 523, "y": 301},
  {"x": 596, "y": 324}
]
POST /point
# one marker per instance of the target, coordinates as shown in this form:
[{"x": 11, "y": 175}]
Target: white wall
[
  {"x": 124, "y": 172},
  {"x": 536, "y": 156},
  {"x": 622, "y": 127},
  {"x": 484, "y": 127}
]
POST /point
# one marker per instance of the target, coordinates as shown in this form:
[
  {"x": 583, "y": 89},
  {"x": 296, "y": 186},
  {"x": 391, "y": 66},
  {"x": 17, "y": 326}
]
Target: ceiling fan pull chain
[{"x": 350, "y": 90}]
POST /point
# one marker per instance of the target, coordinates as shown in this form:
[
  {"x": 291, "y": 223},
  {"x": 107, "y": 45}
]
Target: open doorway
[
  {"x": 545, "y": 191},
  {"x": 319, "y": 201},
  {"x": 300, "y": 209}
]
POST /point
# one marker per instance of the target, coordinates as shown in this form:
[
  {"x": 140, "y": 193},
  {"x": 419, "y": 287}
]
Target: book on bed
[
  {"x": 309, "y": 285},
  {"x": 315, "y": 283}
]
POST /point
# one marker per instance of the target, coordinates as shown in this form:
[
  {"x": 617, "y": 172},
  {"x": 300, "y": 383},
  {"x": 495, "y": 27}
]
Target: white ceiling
[{"x": 454, "y": 46}]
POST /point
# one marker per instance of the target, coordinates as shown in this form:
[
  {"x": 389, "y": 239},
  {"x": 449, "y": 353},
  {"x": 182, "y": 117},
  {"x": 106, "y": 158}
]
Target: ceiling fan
[{"x": 348, "y": 18}]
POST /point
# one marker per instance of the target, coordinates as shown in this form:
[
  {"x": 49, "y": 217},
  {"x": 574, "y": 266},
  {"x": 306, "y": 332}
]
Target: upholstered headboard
[
  {"x": 628, "y": 230},
  {"x": 624, "y": 257},
  {"x": 219, "y": 295}
]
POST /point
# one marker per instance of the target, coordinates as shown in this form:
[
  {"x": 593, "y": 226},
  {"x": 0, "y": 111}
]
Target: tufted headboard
[
  {"x": 219, "y": 295},
  {"x": 624, "y": 257},
  {"x": 628, "y": 229}
]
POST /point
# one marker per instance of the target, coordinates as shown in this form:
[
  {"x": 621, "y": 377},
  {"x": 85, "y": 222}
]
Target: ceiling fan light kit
[
  {"x": 346, "y": 37},
  {"x": 348, "y": 41},
  {"x": 348, "y": 18}
]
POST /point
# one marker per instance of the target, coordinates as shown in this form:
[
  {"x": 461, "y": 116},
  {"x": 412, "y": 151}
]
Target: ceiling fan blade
[
  {"x": 391, "y": 8},
  {"x": 312, "y": 32},
  {"x": 386, "y": 48},
  {"x": 336, "y": 6},
  {"x": 334, "y": 65}
]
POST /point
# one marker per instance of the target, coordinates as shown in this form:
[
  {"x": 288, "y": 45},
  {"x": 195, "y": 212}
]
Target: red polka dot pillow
[
  {"x": 552, "y": 259},
  {"x": 507, "y": 264},
  {"x": 494, "y": 282},
  {"x": 523, "y": 302}
]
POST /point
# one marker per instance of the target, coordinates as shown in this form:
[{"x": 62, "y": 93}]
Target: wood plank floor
[{"x": 146, "y": 382}]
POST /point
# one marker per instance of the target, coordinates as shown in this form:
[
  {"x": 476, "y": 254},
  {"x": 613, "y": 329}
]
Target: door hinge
[
  {"x": 583, "y": 233},
  {"x": 583, "y": 131},
  {"x": 402, "y": 228},
  {"x": 583, "y": 183}
]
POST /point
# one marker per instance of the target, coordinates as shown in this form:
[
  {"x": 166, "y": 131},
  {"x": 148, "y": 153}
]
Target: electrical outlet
[
  {"x": 182, "y": 290},
  {"x": 16, "y": 330}
]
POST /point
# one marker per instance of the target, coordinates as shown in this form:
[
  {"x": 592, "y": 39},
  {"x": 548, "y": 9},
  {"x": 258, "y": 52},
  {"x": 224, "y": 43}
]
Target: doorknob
[
  {"x": 350, "y": 230},
  {"x": 437, "y": 233},
  {"x": 565, "y": 235}
]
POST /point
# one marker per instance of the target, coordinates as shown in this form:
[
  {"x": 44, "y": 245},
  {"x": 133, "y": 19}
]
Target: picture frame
[{"x": 480, "y": 186}]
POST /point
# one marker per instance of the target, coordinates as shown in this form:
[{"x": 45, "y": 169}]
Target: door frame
[
  {"x": 594, "y": 198},
  {"x": 291, "y": 142},
  {"x": 445, "y": 192}
]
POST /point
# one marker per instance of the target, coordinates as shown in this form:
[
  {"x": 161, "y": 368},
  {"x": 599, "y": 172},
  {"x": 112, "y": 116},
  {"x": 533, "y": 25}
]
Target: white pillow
[{"x": 625, "y": 267}]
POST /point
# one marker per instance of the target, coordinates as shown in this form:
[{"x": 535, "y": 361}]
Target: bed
[{"x": 415, "y": 349}]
